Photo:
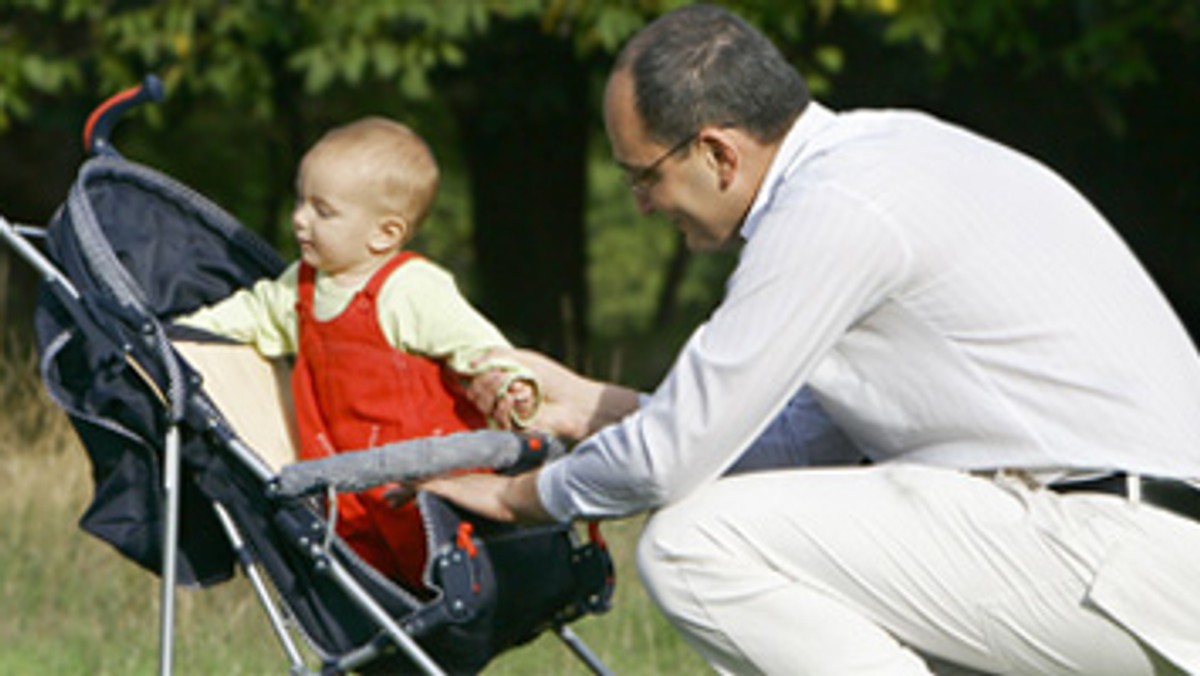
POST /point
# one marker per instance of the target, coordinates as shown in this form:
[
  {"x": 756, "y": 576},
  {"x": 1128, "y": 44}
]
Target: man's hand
[
  {"x": 572, "y": 406},
  {"x": 498, "y": 497}
]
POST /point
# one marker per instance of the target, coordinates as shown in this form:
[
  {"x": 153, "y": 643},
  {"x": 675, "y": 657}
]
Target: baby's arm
[
  {"x": 262, "y": 316},
  {"x": 423, "y": 312}
]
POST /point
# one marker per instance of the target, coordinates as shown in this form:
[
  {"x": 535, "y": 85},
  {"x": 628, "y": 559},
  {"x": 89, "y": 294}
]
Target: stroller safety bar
[{"x": 360, "y": 470}]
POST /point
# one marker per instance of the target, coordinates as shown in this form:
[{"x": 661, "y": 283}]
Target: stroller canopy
[{"x": 138, "y": 246}]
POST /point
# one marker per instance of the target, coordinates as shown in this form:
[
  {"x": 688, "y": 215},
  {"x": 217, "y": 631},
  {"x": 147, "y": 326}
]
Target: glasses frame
[{"x": 641, "y": 179}]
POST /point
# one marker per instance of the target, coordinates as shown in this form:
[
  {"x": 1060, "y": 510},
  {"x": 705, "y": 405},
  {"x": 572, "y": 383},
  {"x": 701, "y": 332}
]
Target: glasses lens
[{"x": 641, "y": 179}]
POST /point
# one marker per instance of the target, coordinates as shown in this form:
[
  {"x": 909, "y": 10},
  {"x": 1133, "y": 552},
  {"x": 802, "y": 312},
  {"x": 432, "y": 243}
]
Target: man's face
[{"x": 679, "y": 180}]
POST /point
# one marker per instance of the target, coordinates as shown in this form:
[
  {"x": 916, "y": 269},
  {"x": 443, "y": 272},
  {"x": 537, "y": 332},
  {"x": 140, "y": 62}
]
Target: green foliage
[
  {"x": 240, "y": 51},
  {"x": 27, "y": 70},
  {"x": 286, "y": 69},
  {"x": 243, "y": 52},
  {"x": 1105, "y": 42}
]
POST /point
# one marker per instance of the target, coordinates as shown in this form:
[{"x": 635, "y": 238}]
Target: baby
[{"x": 382, "y": 338}]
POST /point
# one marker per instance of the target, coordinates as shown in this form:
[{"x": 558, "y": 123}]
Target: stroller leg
[
  {"x": 403, "y": 641},
  {"x": 582, "y": 651},
  {"x": 170, "y": 539},
  {"x": 250, "y": 568}
]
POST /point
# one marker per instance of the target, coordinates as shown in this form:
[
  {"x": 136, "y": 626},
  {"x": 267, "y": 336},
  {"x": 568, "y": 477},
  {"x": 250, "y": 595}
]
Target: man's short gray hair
[{"x": 701, "y": 65}]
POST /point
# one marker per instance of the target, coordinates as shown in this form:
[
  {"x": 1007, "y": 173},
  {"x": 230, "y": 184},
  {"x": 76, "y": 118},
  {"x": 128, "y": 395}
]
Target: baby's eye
[{"x": 323, "y": 209}]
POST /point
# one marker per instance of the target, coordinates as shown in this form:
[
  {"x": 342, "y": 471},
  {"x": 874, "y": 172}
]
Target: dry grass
[{"x": 74, "y": 606}]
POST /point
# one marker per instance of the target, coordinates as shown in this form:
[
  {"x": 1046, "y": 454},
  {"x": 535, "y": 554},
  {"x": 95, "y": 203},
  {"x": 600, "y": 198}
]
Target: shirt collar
[{"x": 811, "y": 122}]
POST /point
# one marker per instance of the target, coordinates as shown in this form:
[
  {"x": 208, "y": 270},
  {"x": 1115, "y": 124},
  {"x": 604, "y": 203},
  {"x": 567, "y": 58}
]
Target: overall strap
[
  {"x": 306, "y": 284},
  {"x": 371, "y": 290}
]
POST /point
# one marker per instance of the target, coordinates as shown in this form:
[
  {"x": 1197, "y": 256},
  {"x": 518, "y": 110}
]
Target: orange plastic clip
[{"x": 465, "y": 530}]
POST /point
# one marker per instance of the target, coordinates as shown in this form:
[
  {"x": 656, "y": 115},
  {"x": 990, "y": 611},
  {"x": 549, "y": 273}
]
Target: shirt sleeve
[
  {"x": 263, "y": 315},
  {"x": 819, "y": 261},
  {"x": 422, "y": 311}
]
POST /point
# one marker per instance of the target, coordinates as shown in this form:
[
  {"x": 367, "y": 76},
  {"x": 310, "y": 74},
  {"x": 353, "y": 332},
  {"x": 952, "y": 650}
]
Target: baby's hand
[
  {"x": 522, "y": 392},
  {"x": 504, "y": 391}
]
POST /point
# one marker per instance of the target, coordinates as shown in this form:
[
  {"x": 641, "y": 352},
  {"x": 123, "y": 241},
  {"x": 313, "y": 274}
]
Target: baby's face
[{"x": 335, "y": 216}]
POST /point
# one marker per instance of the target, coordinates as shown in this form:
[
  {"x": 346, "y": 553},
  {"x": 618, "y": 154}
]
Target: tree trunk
[
  {"x": 39, "y": 161},
  {"x": 522, "y": 108}
]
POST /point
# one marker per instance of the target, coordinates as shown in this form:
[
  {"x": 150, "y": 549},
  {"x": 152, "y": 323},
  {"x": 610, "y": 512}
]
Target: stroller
[{"x": 181, "y": 492}]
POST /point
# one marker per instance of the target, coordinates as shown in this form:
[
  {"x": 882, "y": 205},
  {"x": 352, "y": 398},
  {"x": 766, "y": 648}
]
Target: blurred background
[{"x": 533, "y": 217}]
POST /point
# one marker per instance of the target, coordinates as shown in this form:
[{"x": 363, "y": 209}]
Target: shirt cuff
[{"x": 552, "y": 491}]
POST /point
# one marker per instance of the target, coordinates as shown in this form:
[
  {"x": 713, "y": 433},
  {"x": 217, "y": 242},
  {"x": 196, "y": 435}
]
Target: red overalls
[{"x": 353, "y": 390}]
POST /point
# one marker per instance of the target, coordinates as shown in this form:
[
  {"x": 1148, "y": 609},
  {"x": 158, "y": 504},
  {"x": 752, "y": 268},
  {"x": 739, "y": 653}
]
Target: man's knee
[
  {"x": 706, "y": 531},
  {"x": 668, "y": 550},
  {"x": 652, "y": 563},
  {"x": 670, "y": 560}
]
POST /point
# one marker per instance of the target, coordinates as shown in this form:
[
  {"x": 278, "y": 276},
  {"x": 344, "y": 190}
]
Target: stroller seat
[
  {"x": 252, "y": 392},
  {"x": 186, "y": 476}
]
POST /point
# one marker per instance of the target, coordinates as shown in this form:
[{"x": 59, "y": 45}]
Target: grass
[{"x": 72, "y": 605}]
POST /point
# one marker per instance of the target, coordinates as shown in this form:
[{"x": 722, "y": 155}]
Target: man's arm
[
  {"x": 495, "y": 496},
  {"x": 572, "y": 407}
]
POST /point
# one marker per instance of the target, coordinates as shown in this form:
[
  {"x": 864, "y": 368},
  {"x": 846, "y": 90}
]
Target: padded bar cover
[{"x": 359, "y": 470}]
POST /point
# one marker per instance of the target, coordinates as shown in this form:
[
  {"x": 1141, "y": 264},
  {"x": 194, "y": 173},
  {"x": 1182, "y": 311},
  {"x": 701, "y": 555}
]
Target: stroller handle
[{"x": 102, "y": 120}]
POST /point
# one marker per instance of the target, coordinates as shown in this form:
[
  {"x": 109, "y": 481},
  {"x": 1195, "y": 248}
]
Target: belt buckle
[{"x": 1178, "y": 496}]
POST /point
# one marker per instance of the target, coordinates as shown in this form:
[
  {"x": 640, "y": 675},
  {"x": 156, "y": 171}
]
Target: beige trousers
[{"x": 890, "y": 569}]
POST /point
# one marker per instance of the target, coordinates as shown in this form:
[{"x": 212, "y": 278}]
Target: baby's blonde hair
[{"x": 399, "y": 160}]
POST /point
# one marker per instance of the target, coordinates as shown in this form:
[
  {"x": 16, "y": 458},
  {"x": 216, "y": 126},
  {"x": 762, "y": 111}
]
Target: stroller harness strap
[{"x": 352, "y": 391}]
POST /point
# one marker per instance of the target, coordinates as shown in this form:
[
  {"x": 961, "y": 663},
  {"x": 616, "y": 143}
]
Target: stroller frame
[{"x": 173, "y": 384}]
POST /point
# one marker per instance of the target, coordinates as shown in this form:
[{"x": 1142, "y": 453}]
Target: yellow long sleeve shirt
[{"x": 421, "y": 311}]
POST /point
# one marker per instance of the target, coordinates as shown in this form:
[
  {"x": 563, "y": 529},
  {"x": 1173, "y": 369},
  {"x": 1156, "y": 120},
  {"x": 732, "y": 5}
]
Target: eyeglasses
[{"x": 641, "y": 179}]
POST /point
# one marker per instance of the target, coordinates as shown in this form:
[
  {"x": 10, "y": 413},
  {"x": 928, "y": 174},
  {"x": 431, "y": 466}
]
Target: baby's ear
[{"x": 391, "y": 233}]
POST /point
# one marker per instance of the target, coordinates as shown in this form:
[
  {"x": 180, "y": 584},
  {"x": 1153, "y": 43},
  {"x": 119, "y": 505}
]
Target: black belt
[{"x": 1173, "y": 495}]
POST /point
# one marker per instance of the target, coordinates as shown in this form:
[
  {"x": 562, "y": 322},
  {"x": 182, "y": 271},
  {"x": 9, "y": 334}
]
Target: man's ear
[
  {"x": 722, "y": 153},
  {"x": 391, "y": 233}
]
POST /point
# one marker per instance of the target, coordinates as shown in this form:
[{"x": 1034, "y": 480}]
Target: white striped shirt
[{"x": 950, "y": 302}]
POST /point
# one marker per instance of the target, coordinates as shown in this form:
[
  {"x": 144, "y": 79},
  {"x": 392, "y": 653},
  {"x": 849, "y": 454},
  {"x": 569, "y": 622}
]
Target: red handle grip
[{"x": 102, "y": 120}]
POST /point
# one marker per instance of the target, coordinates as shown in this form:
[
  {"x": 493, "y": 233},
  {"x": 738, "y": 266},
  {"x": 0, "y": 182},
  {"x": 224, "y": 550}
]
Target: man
[{"x": 1024, "y": 391}]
